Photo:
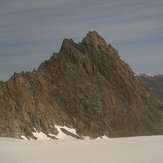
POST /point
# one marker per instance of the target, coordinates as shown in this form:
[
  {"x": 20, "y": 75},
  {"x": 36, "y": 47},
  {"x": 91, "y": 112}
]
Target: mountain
[
  {"x": 154, "y": 84},
  {"x": 86, "y": 87}
]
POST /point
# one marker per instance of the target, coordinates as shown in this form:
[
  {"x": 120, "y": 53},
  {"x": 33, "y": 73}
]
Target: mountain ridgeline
[{"x": 85, "y": 86}]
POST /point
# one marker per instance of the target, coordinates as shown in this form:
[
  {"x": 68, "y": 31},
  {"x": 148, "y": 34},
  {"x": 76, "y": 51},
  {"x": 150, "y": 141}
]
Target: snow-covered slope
[
  {"x": 118, "y": 150},
  {"x": 143, "y": 75},
  {"x": 147, "y": 75}
]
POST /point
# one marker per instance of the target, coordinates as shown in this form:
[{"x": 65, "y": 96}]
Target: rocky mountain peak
[
  {"x": 66, "y": 44},
  {"x": 94, "y": 36},
  {"x": 84, "y": 86},
  {"x": 94, "y": 40}
]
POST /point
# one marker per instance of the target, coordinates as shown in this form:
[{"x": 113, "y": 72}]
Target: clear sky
[{"x": 31, "y": 30}]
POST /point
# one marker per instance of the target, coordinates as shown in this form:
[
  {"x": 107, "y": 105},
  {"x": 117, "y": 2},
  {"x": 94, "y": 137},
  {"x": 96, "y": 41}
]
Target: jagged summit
[
  {"x": 91, "y": 40},
  {"x": 94, "y": 37},
  {"x": 85, "y": 86},
  {"x": 91, "y": 37},
  {"x": 66, "y": 43}
]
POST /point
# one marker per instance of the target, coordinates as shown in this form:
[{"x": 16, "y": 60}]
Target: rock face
[
  {"x": 155, "y": 84},
  {"x": 84, "y": 86}
]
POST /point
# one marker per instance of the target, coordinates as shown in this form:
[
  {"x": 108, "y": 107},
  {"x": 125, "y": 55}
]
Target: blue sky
[{"x": 31, "y": 30}]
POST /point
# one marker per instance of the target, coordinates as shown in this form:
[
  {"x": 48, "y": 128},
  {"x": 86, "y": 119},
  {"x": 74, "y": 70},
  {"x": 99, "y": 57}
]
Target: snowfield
[{"x": 117, "y": 150}]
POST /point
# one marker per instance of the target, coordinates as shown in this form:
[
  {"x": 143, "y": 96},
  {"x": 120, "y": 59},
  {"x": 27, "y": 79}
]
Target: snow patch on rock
[{"x": 62, "y": 135}]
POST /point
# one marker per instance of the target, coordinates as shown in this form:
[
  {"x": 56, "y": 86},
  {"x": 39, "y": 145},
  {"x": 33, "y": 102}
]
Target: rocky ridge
[
  {"x": 154, "y": 84},
  {"x": 85, "y": 86}
]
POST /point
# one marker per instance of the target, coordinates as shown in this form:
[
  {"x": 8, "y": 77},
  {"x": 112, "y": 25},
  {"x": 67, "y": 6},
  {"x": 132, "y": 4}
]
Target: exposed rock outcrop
[
  {"x": 85, "y": 86},
  {"x": 154, "y": 83}
]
